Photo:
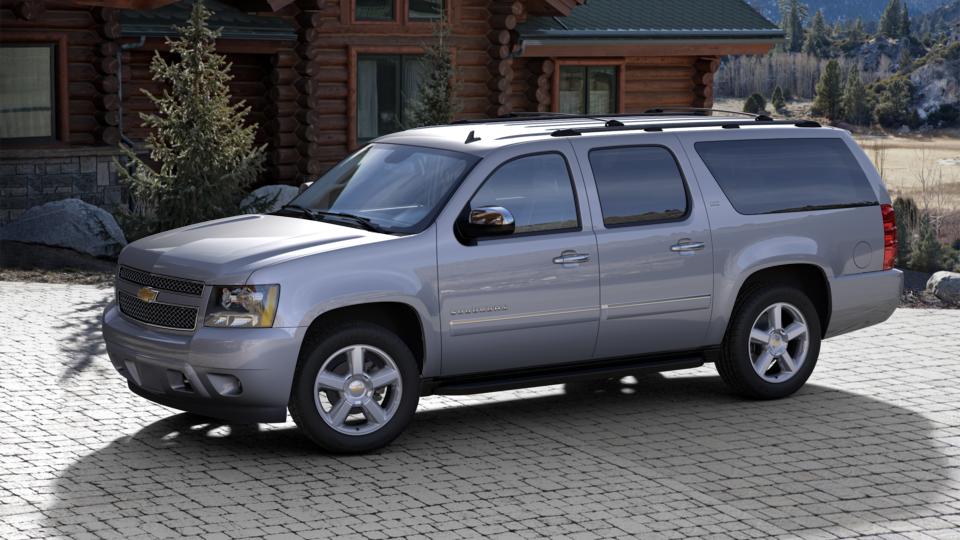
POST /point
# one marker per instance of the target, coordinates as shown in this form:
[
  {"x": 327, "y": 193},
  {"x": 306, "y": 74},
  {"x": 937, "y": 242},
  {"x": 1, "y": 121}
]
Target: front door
[
  {"x": 656, "y": 254},
  {"x": 531, "y": 298}
]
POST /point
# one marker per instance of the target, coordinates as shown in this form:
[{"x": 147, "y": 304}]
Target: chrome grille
[
  {"x": 181, "y": 286},
  {"x": 157, "y": 314}
]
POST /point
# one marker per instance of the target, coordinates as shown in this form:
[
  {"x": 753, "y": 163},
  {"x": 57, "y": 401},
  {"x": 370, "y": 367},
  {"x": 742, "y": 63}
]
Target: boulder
[
  {"x": 945, "y": 286},
  {"x": 277, "y": 195},
  {"x": 68, "y": 223}
]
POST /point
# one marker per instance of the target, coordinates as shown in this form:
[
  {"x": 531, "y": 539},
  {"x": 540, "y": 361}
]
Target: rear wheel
[
  {"x": 356, "y": 388},
  {"x": 772, "y": 344}
]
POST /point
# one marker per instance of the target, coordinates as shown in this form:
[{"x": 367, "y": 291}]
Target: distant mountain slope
[{"x": 833, "y": 10}]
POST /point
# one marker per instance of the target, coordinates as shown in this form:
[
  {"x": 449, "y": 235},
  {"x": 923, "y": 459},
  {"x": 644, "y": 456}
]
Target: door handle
[
  {"x": 686, "y": 246},
  {"x": 571, "y": 257}
]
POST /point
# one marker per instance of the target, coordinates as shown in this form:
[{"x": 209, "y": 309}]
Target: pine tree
[
  {"x": 904, "y": 26},
  {"x": 906, "y": 59},
  {"x": 435, "y": 104},
  {"x": 829, "y": 91},
  {"x": 927, "y": 252},
  {"x": 204, "y": 152},
  {"x": 906, "y": 211},
  {"x": 755, "y": 104},
  {"x": 777, "y": 100},
  {"x": 894, "y": 104},
  {"x": 855, "y": 108},
  {"x": 857, "y": 33},
  {"x": 890, "y": 21},
  {"x": 792, "y": 14},
  {"x": 817, "y": 42}
]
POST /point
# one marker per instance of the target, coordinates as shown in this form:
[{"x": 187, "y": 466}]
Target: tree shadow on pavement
[
  {"x": 83, "y": 342},
  {"x": 650, "y": 453}
]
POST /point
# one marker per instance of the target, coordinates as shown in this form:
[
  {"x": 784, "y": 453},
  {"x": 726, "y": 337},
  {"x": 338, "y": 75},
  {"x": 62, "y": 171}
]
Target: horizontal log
[
  {"x": 283, "y": 76},
  {"x": 503, "y": 21},
  {"x": 503, "y": 8},
  {"x": 283, "y": 124},
  {"x": 280, "y": 108},
  {"x": 82, "y": 73},
  {"x": 500, "y": 68},
  {"x": 110, "y": 135},
  {"x": 108, "y": 65},
  {"x": 496, "y": 111},
  {"x": 53, "y": 19},
  {"x": 321, "y": 121},
  {"x": 499, "y": 36},
  {"x": 284, "y": 59},
  {"x": 110, "y": 29},
  {"x": 108, "y": 48},
  {"x": 108, "y": 102},
  {"x": 322, "y": 103},
  {"x": 29, "y": 10},
  {"x": 282, "y": 93},
  {"x": 284, "y": 155},
  {"x": 108, "y": 118},
  {"x": 498, "y": 52},
  {"x": 286, "y": 174},
  {"x": 283, "y": 140},
  {"x": 498, "y": 84}
]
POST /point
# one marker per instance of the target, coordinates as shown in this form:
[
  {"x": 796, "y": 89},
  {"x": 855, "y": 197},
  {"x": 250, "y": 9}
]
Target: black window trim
[
  {"x": 573, "y": 187},
  {"x": 683, "y": 180},
  {"x": 586, "y": 85},
  {"x": 819, "y": 208},
  {"x": 54, "y": 111},
  {"x": 401, "y": 58}
]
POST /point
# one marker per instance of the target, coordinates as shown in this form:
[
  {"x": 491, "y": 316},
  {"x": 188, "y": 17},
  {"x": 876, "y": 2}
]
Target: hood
[{"x": 227, "y": 250}]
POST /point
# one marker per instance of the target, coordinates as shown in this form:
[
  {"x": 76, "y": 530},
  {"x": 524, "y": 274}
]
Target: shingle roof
[
  {"x": 235, "y": 24},
  {"x": 655, "y": 19}
]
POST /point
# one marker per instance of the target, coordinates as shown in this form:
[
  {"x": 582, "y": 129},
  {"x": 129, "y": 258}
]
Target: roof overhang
[{"x": 607, "y": 47}]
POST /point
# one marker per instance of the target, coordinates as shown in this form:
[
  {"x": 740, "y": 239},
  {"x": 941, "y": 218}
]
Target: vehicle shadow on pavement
[
  {"x": 83, "y": 344},
  {"x": 648, "y": 450}
]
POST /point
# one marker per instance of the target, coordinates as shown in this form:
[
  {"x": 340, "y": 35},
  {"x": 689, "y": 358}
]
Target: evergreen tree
[
  {"x": 857, "y": 33},
  {"x": 817, "y": 42},
  {"x": 755, "y": 104},
  {"x": 855, "y": 108},
  {"x": 777, "y": 100},
  {"x": 204, "y": 152},
  {"x": 904, "y": 26},
  {"x": 792, "y": 14},
  {"x": 927, "y": 252},
  {"x": 894, "y": 103},
  {"x": 891, "y": 20},
  {"x": 906, "y": 211},
  {"x": 829, "y": 91},
  {"x": 435, "y": 104},
  {"x": 906, "y": 59}
]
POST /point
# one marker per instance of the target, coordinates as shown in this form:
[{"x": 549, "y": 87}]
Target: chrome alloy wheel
[
  {"x": 779, "y": 342},
  {"x": 357, "y": 390}
]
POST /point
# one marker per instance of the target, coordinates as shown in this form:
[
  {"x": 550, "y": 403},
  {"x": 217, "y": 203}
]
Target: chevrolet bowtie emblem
[{"x": 147, "y": 294}]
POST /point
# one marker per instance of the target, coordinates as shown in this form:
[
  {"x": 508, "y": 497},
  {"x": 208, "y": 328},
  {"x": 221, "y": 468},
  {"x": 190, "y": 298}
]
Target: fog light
[{"x": 225, "y": 385}]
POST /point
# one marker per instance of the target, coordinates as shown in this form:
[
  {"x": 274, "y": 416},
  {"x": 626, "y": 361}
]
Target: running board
[{"x": 495, "y": 382}]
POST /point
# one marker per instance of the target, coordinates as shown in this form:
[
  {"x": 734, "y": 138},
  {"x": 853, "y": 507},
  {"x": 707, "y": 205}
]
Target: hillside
[{"x": 834, "y": 10}]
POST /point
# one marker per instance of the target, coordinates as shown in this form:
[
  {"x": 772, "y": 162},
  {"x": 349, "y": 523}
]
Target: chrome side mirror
[{"x": 488, "y": 221}]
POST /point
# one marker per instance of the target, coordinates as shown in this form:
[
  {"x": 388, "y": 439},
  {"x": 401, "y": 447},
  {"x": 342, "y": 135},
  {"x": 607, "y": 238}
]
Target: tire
[
  {"x": 344, "y": 420},
  {"x": 743, "y": 364}
]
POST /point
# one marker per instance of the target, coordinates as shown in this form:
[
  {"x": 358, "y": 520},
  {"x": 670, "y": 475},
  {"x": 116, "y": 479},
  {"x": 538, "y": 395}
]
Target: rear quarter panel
[{"x": 746, "y": 244}]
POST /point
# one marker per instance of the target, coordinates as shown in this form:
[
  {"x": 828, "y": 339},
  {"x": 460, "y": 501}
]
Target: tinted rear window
[
  {"x": 638, "y": 184},
  {"x": 787, "y": 175}
]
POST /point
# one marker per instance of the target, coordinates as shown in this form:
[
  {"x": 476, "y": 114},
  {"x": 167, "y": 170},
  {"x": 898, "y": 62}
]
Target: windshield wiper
[
  {"x": 813, "y": 207},
  {"x": 319, "y": 215},
  {"x": 364, "y": 222}
]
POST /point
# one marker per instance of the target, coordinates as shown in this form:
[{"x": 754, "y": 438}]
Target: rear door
[
  {"x": 531, "y": 298},
  {"x": 654, "y": 244}
]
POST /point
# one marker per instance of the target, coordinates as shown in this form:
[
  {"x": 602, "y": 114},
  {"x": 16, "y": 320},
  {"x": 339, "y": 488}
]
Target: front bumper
[{"x": 240, "y": 375}]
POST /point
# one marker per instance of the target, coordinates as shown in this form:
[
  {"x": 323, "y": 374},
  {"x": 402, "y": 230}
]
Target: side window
[
  {"x": 536, "y": 189},
  {"x": 764, "y": 176},
  {"x": 638, "y": 184}
]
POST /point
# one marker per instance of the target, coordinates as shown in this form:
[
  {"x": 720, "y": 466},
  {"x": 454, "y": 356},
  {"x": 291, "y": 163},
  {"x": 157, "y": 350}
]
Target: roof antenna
[{"x": 471, "y": 138}]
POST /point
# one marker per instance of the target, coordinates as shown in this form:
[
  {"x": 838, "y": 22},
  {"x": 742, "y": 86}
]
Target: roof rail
[
  {"x": 725, "y": 124},
  {"x": 523, "y": 115},
  {"x": 704, "y": 110}
]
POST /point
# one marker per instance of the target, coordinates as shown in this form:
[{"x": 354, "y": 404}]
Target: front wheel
[
  {"x": 356, "y": 388},
  {"x": 772, "y": 344}
]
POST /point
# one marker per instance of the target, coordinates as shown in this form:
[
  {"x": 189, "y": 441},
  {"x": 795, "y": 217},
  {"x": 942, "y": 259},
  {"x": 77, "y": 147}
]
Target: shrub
[
  {"x": 777, "y": 100},
  {"x": 894, "y": 103},
  {"x": 755, "y": 104},
  {"x": 204, "y": 153},
  {"x": 927, "y": 252},
  {"x": 907, "y": 212}
]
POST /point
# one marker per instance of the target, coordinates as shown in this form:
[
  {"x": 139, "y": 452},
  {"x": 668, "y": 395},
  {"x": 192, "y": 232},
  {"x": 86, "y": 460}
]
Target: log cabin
[{"x": 325, "y": 76}]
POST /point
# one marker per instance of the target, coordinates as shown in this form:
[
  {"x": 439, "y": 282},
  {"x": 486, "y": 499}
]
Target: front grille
[
  {"x": 165, "y": 315},
  {"x": 182, "y": 286}
]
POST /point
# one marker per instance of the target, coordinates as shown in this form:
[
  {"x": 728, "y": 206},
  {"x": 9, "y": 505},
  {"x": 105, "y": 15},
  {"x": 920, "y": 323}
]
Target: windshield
[{"x": 396, "y": 188}]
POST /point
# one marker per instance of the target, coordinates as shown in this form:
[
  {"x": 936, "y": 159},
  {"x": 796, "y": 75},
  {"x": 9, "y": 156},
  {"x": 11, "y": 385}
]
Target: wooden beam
[
  {"x": 124, "y": 4},
  {"x": 652, "y": 49}
]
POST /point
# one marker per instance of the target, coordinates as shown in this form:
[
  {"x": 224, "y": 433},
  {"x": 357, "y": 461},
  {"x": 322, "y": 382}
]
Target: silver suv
[{"x": 518, "y": 252}]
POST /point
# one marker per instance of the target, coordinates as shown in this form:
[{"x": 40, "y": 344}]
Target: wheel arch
[{"x": 809, "y": 277}]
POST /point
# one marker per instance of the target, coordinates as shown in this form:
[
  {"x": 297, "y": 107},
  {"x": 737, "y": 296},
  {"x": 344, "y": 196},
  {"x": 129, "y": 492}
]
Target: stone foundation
[{"x": 35, "y": 176}]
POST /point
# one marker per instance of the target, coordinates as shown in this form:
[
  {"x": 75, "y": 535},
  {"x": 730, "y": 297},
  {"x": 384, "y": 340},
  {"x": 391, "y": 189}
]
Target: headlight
[{"x": 247, "y": 306}]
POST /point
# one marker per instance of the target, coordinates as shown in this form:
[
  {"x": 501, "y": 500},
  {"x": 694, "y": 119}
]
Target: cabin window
[
  {"x": 588, "y": 89},
  {"x": 387, "y": 88},
  {"x": 375, "y": 10},
  {"x": 27, "y": 91},
  {"x": 425, "y": 10}
]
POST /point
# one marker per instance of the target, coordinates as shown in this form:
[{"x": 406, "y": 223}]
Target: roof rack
[
  {"x": 607, "y": 119},
  {"x": 704, "y": 110},
  {"x": 725, "y": 124}
]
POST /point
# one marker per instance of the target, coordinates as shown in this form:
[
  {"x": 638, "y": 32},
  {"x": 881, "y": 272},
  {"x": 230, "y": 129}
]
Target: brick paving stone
[{"x": 870, "y": 447}]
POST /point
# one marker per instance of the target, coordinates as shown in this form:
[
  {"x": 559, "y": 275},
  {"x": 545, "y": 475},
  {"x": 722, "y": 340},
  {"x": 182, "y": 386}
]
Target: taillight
[{"x": 889, "y": 236}]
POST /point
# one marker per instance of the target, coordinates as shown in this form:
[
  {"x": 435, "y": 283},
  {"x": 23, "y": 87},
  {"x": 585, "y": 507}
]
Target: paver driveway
[{"x": 869, "y": 447}]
